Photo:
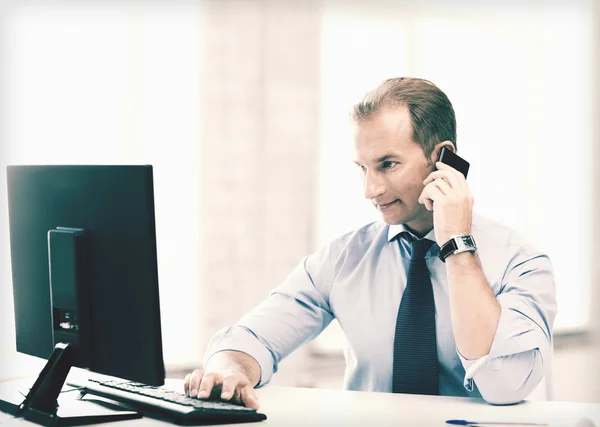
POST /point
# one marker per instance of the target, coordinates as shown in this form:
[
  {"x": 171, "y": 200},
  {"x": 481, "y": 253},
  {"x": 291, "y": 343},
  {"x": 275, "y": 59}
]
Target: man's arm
[
  {"x": 473, "y": 306},
  {"x": 504, "y": 341},
  {"x": 507, "y": 364},
  {"x": 474, "y": 310},
  {"x": 294, "y": 313},
  {"x": 521, "y": 349},
  {"x": 249, "y": 352}
]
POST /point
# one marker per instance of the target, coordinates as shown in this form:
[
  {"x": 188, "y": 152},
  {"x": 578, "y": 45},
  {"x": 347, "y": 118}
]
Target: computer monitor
[{"x": 84, "y": 267}]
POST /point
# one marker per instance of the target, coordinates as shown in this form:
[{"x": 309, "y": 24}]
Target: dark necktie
[{"x": 415, "y": 368}]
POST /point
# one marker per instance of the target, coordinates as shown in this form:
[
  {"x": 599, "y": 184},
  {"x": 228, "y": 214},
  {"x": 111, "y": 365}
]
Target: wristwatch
[{"x": 457, "y": 244}]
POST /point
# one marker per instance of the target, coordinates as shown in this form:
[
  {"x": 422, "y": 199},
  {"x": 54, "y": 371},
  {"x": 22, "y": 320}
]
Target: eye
[
  {"x": 388, "y": 164},
  {"x": 361, "y": 167}
]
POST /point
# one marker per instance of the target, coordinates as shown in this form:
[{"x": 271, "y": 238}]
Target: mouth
[{"x": 387, "y": 206}]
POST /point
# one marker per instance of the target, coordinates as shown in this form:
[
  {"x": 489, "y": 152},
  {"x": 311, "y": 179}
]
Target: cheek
[
  {"x": 415, "y": 192},
  {"x": 408, "y": 186}
]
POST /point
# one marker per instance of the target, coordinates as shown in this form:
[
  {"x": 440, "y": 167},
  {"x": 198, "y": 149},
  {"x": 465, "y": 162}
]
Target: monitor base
[
  {"x": 44, "y": 405},
  {"x": 83, "y": 411}
]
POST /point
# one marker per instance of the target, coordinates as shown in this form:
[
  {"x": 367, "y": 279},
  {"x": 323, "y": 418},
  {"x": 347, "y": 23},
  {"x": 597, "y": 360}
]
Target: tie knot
[{"x": 418, "y": 247}]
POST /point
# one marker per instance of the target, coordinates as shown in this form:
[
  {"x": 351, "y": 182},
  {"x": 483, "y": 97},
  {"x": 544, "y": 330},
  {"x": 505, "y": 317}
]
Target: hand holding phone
[
  {"x": 454, "y": 160},
  {"x": 449, "y": 219}
]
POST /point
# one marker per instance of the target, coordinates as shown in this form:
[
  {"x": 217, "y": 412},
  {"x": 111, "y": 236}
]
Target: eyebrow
[
  {"x": 386, "y": 157},
  {"x": 383, "y": 158}
]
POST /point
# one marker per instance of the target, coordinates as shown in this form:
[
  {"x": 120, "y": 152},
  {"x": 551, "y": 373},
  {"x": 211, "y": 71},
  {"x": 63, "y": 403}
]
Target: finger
[
  {"x": 431, "y": 192},
  {"x": 453, "y": 177},
  {"x": 186, "y": 384},
  {"x": 230, "y": 383},
  {"x": 206, "y": 386},
  {"x": 428, "y": 204},
  {"x": 424, "y": 200},
  {"x": 450, "y": 178},
  {"x": 460, "y": 178},
  {"x": 249, "y": 397},
  {"x": 442, "y": 186},
  {"x": 195, "y": 379},
  {"x": 443, "y": 166}
]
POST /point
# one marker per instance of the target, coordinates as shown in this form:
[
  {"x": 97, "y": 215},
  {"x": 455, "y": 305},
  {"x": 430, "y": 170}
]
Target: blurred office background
[{"x": 241, "y": 106}]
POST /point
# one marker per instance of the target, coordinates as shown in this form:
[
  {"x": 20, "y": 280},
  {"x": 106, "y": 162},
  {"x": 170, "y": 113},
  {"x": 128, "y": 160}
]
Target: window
[
  {"x": 110, "y": 83},
  {"x": 518, "y": 76}
]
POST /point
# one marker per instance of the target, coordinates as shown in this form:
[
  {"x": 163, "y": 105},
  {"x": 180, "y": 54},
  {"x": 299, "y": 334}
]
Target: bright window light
[
  {"x": 520, "y": 90},
  {"x": 111, "y": 83}
]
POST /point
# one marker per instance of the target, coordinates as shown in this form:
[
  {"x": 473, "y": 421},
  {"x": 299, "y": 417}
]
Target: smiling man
[{"x": 433, "y": 299}]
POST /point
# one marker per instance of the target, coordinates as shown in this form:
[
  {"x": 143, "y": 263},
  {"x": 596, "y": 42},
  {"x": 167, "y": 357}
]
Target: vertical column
[
  {"x": 259, "y": 151},
  {"x": 595, "y": 167}
]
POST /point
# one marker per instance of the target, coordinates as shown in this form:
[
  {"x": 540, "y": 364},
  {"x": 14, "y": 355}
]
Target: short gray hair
[{"x": 432, "y": 114}]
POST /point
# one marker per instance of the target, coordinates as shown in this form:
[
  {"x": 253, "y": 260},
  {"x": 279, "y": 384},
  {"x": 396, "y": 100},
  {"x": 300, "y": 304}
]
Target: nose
[{"x": 374, "y": 185}]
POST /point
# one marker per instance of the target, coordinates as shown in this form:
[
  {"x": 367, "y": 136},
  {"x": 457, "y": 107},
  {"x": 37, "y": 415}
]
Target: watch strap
[{"x": 457, "y": 244}]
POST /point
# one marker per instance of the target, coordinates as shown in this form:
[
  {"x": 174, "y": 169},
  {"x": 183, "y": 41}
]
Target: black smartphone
[{"x": 454, "y": 160}]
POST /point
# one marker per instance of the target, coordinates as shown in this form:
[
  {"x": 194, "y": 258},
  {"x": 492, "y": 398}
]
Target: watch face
[
  {"x": 468, "y": 240},
  {"x": 465, "y": 241},
  {"x": 457, "y": 244}
]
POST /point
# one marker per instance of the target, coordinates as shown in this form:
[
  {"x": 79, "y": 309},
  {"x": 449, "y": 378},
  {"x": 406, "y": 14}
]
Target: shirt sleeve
[
  {"x": 293, "y": 314},
  {"x": 522, "y": 347}
]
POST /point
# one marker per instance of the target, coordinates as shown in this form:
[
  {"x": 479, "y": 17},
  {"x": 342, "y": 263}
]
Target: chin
[
  {"x": 397, "y": 218},
  {"x": 394, "y": 219}
]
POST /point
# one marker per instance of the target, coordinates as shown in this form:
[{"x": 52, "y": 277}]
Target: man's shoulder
[
  {"x": 498, "y": 237},
  {"x": 349, "y": 247},
  {"x": 355, "y": 241},
  {"x": 362, "y": 236},
  {"x": 493, "y": 231}
]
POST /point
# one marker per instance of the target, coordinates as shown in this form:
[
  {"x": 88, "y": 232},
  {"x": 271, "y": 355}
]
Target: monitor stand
[{"x": 43, "y": 406}]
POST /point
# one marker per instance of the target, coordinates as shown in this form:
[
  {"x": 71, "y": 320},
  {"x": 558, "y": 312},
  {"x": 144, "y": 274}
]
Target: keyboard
[{"x": 172, "y": 406}]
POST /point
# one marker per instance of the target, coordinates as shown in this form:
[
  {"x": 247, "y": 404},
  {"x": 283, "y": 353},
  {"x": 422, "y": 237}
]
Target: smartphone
[{"x": 454, "y": 160}]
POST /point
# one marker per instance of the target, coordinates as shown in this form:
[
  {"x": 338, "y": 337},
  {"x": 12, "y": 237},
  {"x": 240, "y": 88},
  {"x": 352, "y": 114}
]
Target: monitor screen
[{"x": 91, "y": 229}]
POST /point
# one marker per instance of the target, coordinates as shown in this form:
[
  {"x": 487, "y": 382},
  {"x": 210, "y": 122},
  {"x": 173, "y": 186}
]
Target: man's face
[{"x": 393, "y": 168}]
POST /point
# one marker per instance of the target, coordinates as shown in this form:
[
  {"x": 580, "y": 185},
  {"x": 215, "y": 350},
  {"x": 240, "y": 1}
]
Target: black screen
[{"x": 115, "y": 207}]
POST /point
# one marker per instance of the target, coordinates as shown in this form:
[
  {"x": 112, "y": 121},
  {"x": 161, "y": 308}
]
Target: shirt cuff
[
  {"x": 471, "y": 367},
  {"x": 516, "y": 333},
  {"x": 239, "y": 338}
]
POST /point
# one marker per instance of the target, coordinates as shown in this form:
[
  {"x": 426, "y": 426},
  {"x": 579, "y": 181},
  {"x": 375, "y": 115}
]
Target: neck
[{"x": 422, "y": 225}]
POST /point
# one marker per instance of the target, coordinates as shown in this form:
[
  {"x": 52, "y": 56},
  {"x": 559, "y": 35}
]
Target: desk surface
[{"x": 291, "y": 406}]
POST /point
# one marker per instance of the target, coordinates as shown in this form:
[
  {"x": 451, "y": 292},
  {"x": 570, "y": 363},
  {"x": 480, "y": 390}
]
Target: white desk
[{"x": 290, "y": 406}]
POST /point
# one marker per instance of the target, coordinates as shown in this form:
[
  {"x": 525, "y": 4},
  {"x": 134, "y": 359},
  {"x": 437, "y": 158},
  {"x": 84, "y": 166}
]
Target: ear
[{"x": 436, "y": 150}]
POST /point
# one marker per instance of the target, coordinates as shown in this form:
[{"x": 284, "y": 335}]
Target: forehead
[{"x": 387, "y": 133}]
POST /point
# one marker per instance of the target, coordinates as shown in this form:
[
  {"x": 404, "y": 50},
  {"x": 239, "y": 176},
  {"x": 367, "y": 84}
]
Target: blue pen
[{"x": 498, "y": 423}]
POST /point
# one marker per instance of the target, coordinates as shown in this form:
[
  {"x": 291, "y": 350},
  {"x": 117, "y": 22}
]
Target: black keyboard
[{"x": 169, "y": 405}]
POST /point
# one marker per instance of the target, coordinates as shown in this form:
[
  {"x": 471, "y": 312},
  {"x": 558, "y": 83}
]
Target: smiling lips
[{"x": 384, "y": 207}]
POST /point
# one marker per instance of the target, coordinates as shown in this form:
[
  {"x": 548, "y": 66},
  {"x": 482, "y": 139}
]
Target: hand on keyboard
[
  {"x": 168, "y": 404},
  {"x": 228, "y": 385}
]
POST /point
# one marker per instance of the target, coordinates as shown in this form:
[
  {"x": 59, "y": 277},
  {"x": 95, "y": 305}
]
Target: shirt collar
[{"x": 396, "y": 229}]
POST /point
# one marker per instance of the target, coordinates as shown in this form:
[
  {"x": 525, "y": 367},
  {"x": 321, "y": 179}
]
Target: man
[{"x": 432, "y": 300}]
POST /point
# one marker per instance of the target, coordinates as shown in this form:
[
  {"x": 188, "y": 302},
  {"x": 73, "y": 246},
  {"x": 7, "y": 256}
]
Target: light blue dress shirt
[{"x": 359, "y": 279}]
